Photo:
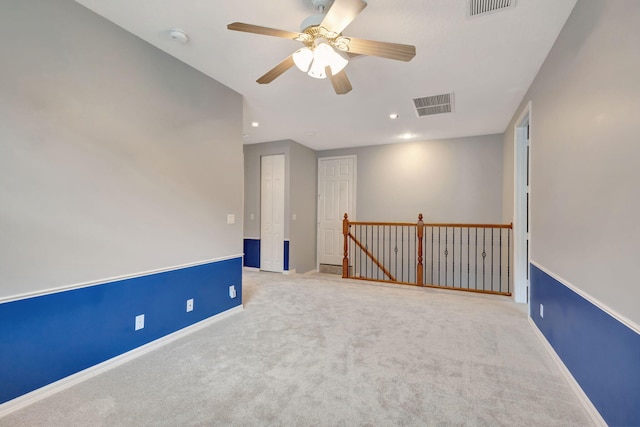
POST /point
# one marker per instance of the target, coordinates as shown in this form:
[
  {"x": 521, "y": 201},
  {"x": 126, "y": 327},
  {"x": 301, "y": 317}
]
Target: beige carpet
[{"x": 314, "y": 350}]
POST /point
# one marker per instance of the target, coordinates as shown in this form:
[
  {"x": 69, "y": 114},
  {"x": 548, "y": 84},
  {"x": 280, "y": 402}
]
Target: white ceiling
[{"x": 488, "y": 61}]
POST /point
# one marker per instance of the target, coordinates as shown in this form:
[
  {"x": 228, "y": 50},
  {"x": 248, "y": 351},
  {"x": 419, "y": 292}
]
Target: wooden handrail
[
  {"x": 469, "y": 225},
  {"x": 345, "y": 259},
  {"x": 440, "y": 224},
  {"x": 419, "y": 267},
  {"x": 399, "y": 224}
]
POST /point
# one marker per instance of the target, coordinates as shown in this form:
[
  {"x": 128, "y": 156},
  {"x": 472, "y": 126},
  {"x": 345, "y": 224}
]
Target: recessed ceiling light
[
  {"x": 310, "y": 133},
  {"x": 394, "y": 116},
  {"x": 255, "y": 124},
  {"x": 407, "y": 135}
]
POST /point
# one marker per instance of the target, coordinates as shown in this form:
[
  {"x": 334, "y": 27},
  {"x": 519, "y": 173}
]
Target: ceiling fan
[{"x": 326, "y": 51}]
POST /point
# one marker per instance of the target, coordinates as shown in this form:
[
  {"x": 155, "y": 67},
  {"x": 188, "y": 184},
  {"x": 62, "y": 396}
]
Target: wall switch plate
[
  {"x": 251, "y": 217},
  {"x": 232, "y": 291},
  {"x": 231, "y": 219},
  {"x": 190, "y": 304},
  {"x": 139, "y": 322},
  {"x": 294, "y": 217},
  {"x": 541, "y": 310}
]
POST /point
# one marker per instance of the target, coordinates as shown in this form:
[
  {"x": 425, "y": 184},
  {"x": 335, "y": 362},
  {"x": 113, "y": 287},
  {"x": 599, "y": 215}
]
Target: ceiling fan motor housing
[{"x": 312, "y": 21}]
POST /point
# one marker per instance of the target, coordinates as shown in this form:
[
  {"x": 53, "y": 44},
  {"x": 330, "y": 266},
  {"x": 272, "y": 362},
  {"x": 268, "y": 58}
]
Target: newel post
[
  {"x": 345, "y": 260},
  {"x": 420, "y": 268}
]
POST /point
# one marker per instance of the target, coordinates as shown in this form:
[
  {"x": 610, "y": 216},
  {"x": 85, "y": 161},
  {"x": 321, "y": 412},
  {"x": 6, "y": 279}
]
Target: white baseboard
[
  {"x": 584, "y": 399},
  {"x": 258, "y": 270},
  {"x": 55, "y": 387}
]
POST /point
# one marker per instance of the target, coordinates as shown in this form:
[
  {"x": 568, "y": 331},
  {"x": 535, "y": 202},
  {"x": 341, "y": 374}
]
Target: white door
[
  {"x": 272, "y": 213},
  {"x": 336, "y": 196}
]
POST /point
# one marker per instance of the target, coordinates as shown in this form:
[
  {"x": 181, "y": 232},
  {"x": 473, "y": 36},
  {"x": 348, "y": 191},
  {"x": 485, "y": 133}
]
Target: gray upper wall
[
  {"x": 585, "y": 127},
  {"x": 115, "y": 158},
  {"x": 304, "y": 190},
  {"x": 455, "y": 180},
  {"x": 252, "y": 164},
  {"x": 301, "y": 187}
]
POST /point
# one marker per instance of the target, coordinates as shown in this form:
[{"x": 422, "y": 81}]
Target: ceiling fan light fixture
[{"x": 326, "y": 52}]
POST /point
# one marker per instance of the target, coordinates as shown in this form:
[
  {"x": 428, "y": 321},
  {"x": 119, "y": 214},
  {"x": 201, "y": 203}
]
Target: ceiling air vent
[
  {"x": 480, "y": 7},
  {"x": 436, "y": 104}
]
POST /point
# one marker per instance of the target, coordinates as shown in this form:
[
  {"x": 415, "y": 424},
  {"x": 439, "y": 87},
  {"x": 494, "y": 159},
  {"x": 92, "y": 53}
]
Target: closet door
[{"x": 272, "y": 213}]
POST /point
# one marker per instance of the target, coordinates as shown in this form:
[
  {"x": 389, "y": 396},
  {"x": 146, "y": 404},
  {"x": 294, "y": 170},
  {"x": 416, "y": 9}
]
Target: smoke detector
[{"x": 179, "y": 36}]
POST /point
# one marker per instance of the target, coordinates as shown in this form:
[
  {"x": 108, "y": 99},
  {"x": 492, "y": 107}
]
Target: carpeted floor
[{"x": 313, "y": 350}]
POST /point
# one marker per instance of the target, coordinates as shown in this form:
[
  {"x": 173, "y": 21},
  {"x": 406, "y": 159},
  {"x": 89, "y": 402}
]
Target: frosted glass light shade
[
  {"x": 328, "y": 56},
  {"x": 317, "y": 69},
  {"x": 302, "y": 58}
]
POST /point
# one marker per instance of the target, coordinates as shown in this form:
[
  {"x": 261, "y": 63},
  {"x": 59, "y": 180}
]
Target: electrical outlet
[
  {"x": 139, "y": 322},
  {"x": 232, "y": 291},
  {"x": 190, "y": 304},
  {"x": 231, "y": 219},
  {"x": 541, "y": 310}
]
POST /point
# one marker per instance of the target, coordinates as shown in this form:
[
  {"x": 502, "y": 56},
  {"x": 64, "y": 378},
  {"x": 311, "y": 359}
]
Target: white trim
[
  {"x": 573, "y": 384},
  {"x": 287, "y": 272},
  {"x": 67, "y": 382},
  {"x": 250, "y": 269},
  {"x": 113, "y": 279},
  {"x": 619, "y": 317},
  {"x": 520, "y": 265},
  {"x": 257, "y": 238}
]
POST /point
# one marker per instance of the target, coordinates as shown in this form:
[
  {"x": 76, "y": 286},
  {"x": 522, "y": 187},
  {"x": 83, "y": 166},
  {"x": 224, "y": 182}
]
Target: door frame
[
  {"x": 352, "y": 215},
  {"x": 522, "y": 209}
]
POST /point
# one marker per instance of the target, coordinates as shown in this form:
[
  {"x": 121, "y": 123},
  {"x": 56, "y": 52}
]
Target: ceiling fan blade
[
  {"x": 265, "y": 31},
  {"x": 401, "y": 52},
  {"x": 341, "y": 13},
  {"x": 276, "y": 71},
  {"x": 340, "y": 82}
]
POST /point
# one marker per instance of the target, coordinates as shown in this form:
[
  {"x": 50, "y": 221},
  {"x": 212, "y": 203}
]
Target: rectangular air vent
[
  {"x": 480, "y": 7},
  {"x": 436, "y": 104}
]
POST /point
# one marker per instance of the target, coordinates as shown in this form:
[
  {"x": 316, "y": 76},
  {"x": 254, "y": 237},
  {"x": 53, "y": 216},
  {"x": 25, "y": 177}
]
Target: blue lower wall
[
  {"x": 286, "y": 255},
  {"x": 602, "y": 353},
  {"x": 46, "y": 338},
  {"x": 252, "y": 253}
]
